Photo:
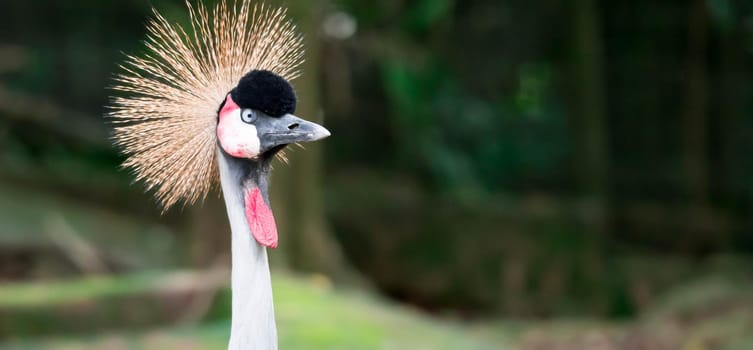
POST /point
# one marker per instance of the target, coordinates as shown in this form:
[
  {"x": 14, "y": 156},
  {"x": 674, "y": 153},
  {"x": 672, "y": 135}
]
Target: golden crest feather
[{"x": 166, "y": 122}]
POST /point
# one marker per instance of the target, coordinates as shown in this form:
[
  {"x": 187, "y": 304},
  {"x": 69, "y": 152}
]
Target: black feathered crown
[{"x": 265, "y": 91}]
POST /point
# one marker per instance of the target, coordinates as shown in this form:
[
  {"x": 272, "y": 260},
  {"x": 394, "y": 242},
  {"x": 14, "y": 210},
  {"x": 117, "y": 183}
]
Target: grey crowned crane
[{"x": 215, "y": 103}]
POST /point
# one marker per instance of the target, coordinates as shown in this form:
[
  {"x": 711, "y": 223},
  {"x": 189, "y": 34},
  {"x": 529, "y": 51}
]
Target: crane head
[
  {"x": 166, "y": 118},
  {"x": 256, "y": 119}
]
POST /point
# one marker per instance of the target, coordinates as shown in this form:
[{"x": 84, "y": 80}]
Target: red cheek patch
[{"x": 260, "y": 219}]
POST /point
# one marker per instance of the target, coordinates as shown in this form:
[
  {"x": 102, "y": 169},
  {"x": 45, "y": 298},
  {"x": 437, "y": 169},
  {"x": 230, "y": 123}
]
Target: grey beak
[{"x": 287, "y": 129}]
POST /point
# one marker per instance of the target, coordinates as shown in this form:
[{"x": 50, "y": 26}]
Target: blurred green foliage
[{"x": 493, "y": 139}]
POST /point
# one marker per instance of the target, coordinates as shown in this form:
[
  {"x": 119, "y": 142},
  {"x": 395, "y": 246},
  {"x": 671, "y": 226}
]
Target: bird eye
[{"x": 248, "y": 116}]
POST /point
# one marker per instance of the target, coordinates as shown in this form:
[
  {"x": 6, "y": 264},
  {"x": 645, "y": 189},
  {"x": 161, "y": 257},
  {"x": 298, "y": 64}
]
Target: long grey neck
[{"x": 253, "y": 319}]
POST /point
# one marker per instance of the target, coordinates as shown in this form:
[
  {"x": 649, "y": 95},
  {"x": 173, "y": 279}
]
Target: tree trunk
[
  {"x": 732, "y": 82},
  {"x": 589, "y": 100},
  {"x": 694, "y": 115},
  {"x": 590, "y": 132}
]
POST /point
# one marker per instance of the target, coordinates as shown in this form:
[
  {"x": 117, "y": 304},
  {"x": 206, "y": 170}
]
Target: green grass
[
  {"x": 49, "y": 294},
  {"x": 310, "y": 315},
  {"x": 714, "y": 312}
]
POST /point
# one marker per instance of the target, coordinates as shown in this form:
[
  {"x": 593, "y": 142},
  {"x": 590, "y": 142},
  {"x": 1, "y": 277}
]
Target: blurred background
[{"x": 503, "y": 174}]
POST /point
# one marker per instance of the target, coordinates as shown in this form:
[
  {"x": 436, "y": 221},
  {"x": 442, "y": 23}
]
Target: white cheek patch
[{"x": 237, "y": 138}]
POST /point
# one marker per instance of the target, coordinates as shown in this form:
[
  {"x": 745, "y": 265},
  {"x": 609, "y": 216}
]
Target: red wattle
[{"x": 260, "y": 219}]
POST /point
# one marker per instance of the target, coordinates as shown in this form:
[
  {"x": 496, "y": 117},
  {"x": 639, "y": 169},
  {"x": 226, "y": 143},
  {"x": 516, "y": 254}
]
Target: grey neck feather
[{"x": 253, "y": 320}]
